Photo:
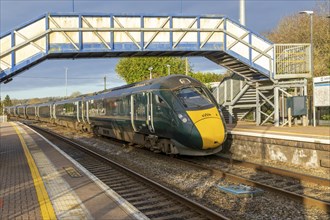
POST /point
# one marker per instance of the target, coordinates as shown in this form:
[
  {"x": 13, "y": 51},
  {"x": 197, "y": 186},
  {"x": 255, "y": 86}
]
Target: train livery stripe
[
  {"x": 46, "y": 207},
  {"x": 209, "y": 124}
]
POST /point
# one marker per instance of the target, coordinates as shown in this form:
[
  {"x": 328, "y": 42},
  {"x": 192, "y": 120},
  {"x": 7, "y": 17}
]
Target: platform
[
  {"x": 39, "y": 181},
  {"x": 300, "y": 133},
  {"x": 298, "y": 146}
]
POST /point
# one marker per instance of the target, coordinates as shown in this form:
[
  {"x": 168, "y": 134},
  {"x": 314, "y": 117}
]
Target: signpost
[{"x": 321, "y": 95}]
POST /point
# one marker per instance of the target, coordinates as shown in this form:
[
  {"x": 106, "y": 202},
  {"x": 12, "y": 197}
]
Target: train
[{"x": 175, "y": 115}]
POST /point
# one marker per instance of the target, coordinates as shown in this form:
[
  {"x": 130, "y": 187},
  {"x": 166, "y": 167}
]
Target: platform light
[
  {"x": 168, "y": 69},
  {"x": 150, "y": 69},
  {"x": 310, "y": 14}
]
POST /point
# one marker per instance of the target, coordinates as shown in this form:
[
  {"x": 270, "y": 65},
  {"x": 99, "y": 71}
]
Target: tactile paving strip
[{"x": 66, "y": 203}]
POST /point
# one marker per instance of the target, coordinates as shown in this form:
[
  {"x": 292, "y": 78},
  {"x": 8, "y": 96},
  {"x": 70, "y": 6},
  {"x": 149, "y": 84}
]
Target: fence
[{"x": 292, "y": 61}]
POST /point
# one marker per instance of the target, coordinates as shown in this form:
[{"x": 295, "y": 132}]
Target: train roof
[
  {"x": 69, "y": 100},
  {"x": 171, "y": 82}
]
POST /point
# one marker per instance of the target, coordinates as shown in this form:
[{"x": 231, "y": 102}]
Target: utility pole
[
  {"x": 105, "y": 82},
  {"x": 242, "y": 12},
  {"x": 186, "y": 66},
  {"x": 72, "y": 5},
  {"x": 66, "y": 81}
]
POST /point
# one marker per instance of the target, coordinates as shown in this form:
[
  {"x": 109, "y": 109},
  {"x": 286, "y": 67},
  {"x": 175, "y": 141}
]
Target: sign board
[{"x": 321, "y": 88}]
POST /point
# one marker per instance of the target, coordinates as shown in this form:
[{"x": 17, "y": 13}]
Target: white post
[
  {"x": 289, "y": 116},
  {"x": 66, "y": 81},
  {"x": 169, "y": 69},
  {"x": 150, "y": 69},
  {"x": 276, "y": 107},
  {"x": 310, "y": 14},
  {"x": 242, "y": 12}
]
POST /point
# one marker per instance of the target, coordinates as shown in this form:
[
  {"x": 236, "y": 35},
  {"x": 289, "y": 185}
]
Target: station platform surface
[
  {"x": 319, "y": 134},
  {"x": 35, "y": 182}
]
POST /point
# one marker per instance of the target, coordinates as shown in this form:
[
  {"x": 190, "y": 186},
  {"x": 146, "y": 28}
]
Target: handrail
[{"x": 173, "y": 33}]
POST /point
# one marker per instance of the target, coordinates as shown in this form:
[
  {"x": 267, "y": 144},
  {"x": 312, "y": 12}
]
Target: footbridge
[{"x": 218, "y": 38}]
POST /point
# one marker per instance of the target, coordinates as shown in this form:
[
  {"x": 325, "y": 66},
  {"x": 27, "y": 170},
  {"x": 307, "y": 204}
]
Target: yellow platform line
[{"x": 46, "y": 207}]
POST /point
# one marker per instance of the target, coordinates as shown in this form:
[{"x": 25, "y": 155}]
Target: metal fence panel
[{"x": 292, "y": 61}]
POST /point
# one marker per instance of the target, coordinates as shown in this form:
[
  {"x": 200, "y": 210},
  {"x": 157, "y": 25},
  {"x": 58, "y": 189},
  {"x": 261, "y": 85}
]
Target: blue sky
[{"x": 48, "y": 78}]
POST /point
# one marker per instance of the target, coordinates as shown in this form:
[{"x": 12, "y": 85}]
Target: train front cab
[{"x": 201, "y": 114}]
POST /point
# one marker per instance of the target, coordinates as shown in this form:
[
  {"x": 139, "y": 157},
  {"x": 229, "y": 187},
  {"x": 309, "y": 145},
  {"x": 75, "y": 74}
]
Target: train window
[
  {"x": 159, "y": 99},
  {"x": 100, "y": 106},
  {"x": 92, "y": 109},
  {"x": 126, "y": 106},
  {"x": 193, "y": 97},
  {"x": 44, "y": 111}
]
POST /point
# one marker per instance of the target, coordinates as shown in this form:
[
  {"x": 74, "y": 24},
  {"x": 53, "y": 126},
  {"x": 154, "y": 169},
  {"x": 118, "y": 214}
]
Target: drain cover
[
  {"x": 240, "y": 190},
  {"x": 72, "y": 172}
]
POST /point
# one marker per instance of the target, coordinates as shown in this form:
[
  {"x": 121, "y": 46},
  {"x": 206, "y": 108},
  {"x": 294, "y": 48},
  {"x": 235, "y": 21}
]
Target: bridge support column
[
  {"x": 276, "y": 107},
  {"x": 230, "y": 115}
]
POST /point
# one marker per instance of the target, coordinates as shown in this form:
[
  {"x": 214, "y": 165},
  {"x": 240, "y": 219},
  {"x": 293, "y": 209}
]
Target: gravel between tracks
[{"x": 194, "y": 183}]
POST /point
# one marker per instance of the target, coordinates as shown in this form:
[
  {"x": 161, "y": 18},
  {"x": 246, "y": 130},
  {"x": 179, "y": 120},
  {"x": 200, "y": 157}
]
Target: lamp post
[
  {"x": 150, "y": 69},
  {"x": 310, "y": 14},
  {"x": 105, "y": 82},
  {"x": 169, "y": 69},
  {"x": 66, "y": 81},
  {"x": 242, "y": 12}
]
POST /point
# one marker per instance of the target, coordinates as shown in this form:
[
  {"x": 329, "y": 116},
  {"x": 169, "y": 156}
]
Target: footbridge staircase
[{"x": 258, "y": 62}]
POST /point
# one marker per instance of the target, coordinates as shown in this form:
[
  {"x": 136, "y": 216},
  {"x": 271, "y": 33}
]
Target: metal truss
[{"x": 105, "y": 35}]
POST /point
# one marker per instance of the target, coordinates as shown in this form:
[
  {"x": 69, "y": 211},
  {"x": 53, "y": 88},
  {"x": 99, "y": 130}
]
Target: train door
[
  {"x": 142, "y": 117},
  {"x": 78, "y": 110},
  {"x": 82, "y": 110},
  {"x": 150, "y": 112}
]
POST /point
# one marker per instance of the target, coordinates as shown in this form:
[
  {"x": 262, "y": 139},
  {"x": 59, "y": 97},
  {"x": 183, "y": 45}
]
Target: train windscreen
[{"x": 194, "y": 97}]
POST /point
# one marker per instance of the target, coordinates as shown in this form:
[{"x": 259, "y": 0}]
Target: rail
[{"x": 174, "y": 200}]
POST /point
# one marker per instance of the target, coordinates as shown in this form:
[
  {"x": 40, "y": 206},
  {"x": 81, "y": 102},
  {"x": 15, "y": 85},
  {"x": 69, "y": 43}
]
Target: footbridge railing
[{"x": 102, "y": 35}]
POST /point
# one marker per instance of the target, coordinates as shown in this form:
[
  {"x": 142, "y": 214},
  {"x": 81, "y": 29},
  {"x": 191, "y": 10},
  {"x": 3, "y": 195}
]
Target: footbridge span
[{"x": 218, "y": 38}]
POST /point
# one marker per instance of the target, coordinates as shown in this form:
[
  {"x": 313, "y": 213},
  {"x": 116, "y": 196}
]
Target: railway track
[
  {"x": 300, "y": 187},
  {"x": 152, "y": 199}
]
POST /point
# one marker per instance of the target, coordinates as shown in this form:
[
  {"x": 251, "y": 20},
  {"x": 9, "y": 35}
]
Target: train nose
[{"x": 211, "y": 131}]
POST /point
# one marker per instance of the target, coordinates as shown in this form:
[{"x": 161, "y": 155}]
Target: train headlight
[{"x": 183, "y": 118}]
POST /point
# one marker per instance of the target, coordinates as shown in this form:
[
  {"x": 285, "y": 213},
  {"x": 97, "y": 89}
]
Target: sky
[{"x": 87, "y": 75}]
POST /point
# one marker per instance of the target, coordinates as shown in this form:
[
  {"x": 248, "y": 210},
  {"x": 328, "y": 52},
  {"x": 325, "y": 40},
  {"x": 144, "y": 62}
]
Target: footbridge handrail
[{"x": 54, "y": 35}]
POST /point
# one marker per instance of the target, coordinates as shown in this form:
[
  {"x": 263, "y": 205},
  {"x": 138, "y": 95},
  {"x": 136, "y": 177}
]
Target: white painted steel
[{"x": 65, "y": 30}]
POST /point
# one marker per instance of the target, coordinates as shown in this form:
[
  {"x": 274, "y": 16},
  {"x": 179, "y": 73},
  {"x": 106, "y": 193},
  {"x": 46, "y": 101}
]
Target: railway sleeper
[{"x": 151, "y": 201}]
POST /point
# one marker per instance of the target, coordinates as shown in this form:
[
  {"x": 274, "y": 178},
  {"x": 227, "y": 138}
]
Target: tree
[
  {"x": 75, "y": 94},
  {"x": 208, "y": 77},
  {"x": 4, "y": 103},
  {"x": 136, "y": 69},
  {"x": 296, "y": 29},
  {"x": 7, "y": 101}
]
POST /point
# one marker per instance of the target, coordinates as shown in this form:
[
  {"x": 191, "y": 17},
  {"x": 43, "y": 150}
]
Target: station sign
[{"x": 321, "y": 88}]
